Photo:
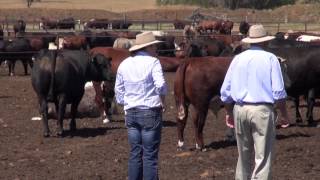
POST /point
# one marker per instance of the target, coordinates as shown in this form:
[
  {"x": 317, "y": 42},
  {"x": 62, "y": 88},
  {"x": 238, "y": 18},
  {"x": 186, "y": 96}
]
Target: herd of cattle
[{"x": 60, "y": 72}]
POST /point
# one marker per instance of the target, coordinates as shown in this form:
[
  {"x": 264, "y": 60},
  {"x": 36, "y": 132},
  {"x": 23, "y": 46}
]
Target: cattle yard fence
[{"x": 165, "y": 25}]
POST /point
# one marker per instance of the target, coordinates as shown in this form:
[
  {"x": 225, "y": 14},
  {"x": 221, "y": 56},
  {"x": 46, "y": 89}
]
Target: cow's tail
[
  {"x": 179, "y": 90},
  {"x": 53, "y": 57}
]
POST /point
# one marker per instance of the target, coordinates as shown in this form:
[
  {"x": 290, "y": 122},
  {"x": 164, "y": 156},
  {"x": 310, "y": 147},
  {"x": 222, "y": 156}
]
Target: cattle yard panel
[{"x": 165, "y": 25}]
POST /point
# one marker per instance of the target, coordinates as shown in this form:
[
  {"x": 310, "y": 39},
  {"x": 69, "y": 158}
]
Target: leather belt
[{"x": 254, "y": 104}]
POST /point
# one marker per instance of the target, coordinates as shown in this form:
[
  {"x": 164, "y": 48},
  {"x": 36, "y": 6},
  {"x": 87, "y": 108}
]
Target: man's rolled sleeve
[
  {"x": 119, "y": 89},
  {"x": 278, "y": 89},
  {"x": 225, "y": 91},
  {"x": 159, "y": 81}
]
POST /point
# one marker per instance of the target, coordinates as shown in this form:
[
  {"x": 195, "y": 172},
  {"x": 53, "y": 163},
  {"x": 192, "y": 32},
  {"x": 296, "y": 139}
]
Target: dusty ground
[{"x": 100, "y": 151}]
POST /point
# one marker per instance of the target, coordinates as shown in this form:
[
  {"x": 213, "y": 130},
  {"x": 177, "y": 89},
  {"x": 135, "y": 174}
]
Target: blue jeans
[{"x": 144, "y": 136}]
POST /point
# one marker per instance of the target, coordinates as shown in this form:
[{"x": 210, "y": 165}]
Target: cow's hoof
[
  {"x": 203, "y": 149},
  {"x": 180, "y": 149},
  {"x": 73, "y": 128},
  {"x": 299, "y": 121},
  {"x": 231, "y": 139},
  {"x": 60, "y": 134},
  {"x": 46, "y": 135},
  {"x": 106, "y": 120},
  {"x": 312, "y": 124}
]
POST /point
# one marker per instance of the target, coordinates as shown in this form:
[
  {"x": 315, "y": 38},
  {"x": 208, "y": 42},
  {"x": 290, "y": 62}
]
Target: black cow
[
  {"x": 301, "y": 68},
  {"x": 60, "y": 76},
  {"x": 98, "y": 39},
  {"x": 67, "y": 23},
  {"x": 19, "y": 27},
  {"x": 17, "y": 49},
  {"x": 180, "y": 24},
  {"x": 244, "y": 27},
  {"x": 167, "y": 47},
  {"x": 48, "y": 23},
  {"x": 1, "y": 33},
  {"x": 120, "y": 24},
  {"x": 97, "y": 24}
]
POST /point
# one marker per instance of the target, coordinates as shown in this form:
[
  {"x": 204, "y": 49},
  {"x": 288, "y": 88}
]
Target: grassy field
[{"x": 109, "y": 5}]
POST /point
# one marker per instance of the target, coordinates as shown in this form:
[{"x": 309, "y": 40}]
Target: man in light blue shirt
[
  {"x": 252, "y": 85},
  {"x": 140, "y": 86}
]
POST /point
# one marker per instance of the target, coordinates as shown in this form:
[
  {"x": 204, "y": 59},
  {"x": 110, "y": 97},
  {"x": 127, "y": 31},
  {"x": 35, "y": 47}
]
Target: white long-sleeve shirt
[{"x": 140, "y": 82}]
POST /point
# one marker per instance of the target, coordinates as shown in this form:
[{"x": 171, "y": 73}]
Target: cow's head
[{"x": 100, "y": 68}]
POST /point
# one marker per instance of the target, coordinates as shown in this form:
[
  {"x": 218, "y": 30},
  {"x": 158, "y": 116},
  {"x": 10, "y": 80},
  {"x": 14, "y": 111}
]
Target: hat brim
[
  {"x": 257, "y": 40},
  {"x": 136, "y": 47}
]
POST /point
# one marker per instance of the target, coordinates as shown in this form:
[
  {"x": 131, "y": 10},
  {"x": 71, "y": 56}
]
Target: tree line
[{"x": 234, "y": 4}]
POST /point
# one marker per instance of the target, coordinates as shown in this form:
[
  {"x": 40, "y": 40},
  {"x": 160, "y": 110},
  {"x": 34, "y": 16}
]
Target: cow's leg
[
  {"x": 11, "y": 65},
  {"x": 30, "y": 62},
  {"x": 44, "y": 113},
  {"x": 181, "y": 124},
  {"x": 61, "y": 111},
  {"x": 298, "y": 115},
  {"x": 108, "y": 98},
  {"x": 199, "y": 118},
  {"x": 25, "y": 66},
  {"x": 310, "y": 103},
  {"x": 74, "y": 109}
]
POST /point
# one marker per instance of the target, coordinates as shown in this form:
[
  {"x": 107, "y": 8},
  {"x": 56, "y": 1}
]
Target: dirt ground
[{"x": 100, "y": 151}]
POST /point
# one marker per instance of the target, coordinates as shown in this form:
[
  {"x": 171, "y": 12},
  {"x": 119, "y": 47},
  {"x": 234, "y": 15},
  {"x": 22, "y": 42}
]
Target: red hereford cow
[
  {"x": 197, "y": 81},
  {"x": 75, "y": 42},
  {"x": 105, "y": 95}
]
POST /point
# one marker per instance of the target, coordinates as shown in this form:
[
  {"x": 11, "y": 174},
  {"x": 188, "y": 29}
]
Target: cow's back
[
  {"x": 70, "y": 74},
  {"x": 204, "y": 76},
  {"x": 41, "y": 72}
]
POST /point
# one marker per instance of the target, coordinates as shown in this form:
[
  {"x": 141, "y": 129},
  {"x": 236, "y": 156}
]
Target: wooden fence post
[{"x": 305, "y": 26}]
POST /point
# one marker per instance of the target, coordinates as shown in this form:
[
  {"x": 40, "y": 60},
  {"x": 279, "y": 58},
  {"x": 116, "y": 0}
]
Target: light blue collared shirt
[
  {"x": 254, "y": 76},
  {"x": 140, "y": 82}
]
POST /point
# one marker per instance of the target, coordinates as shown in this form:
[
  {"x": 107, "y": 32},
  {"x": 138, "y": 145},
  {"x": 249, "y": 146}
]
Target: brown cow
[
  {"x": 209, "y": 25},
  {"x": 197, "y": 81},
  {"x": 226, "y": 27}
]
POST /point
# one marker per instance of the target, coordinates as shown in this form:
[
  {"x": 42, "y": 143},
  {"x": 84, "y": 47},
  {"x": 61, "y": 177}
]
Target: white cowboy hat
[
  {"x": 257, "y": 34},
  {"x": 143, "y": 40}
]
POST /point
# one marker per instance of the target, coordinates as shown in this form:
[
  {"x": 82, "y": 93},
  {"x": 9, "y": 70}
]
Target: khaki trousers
[{"x": 255, "y": 130}]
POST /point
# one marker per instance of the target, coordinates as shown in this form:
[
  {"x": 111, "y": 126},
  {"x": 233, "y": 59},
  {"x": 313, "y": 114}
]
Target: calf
[{"x": 60, "y": 76}]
